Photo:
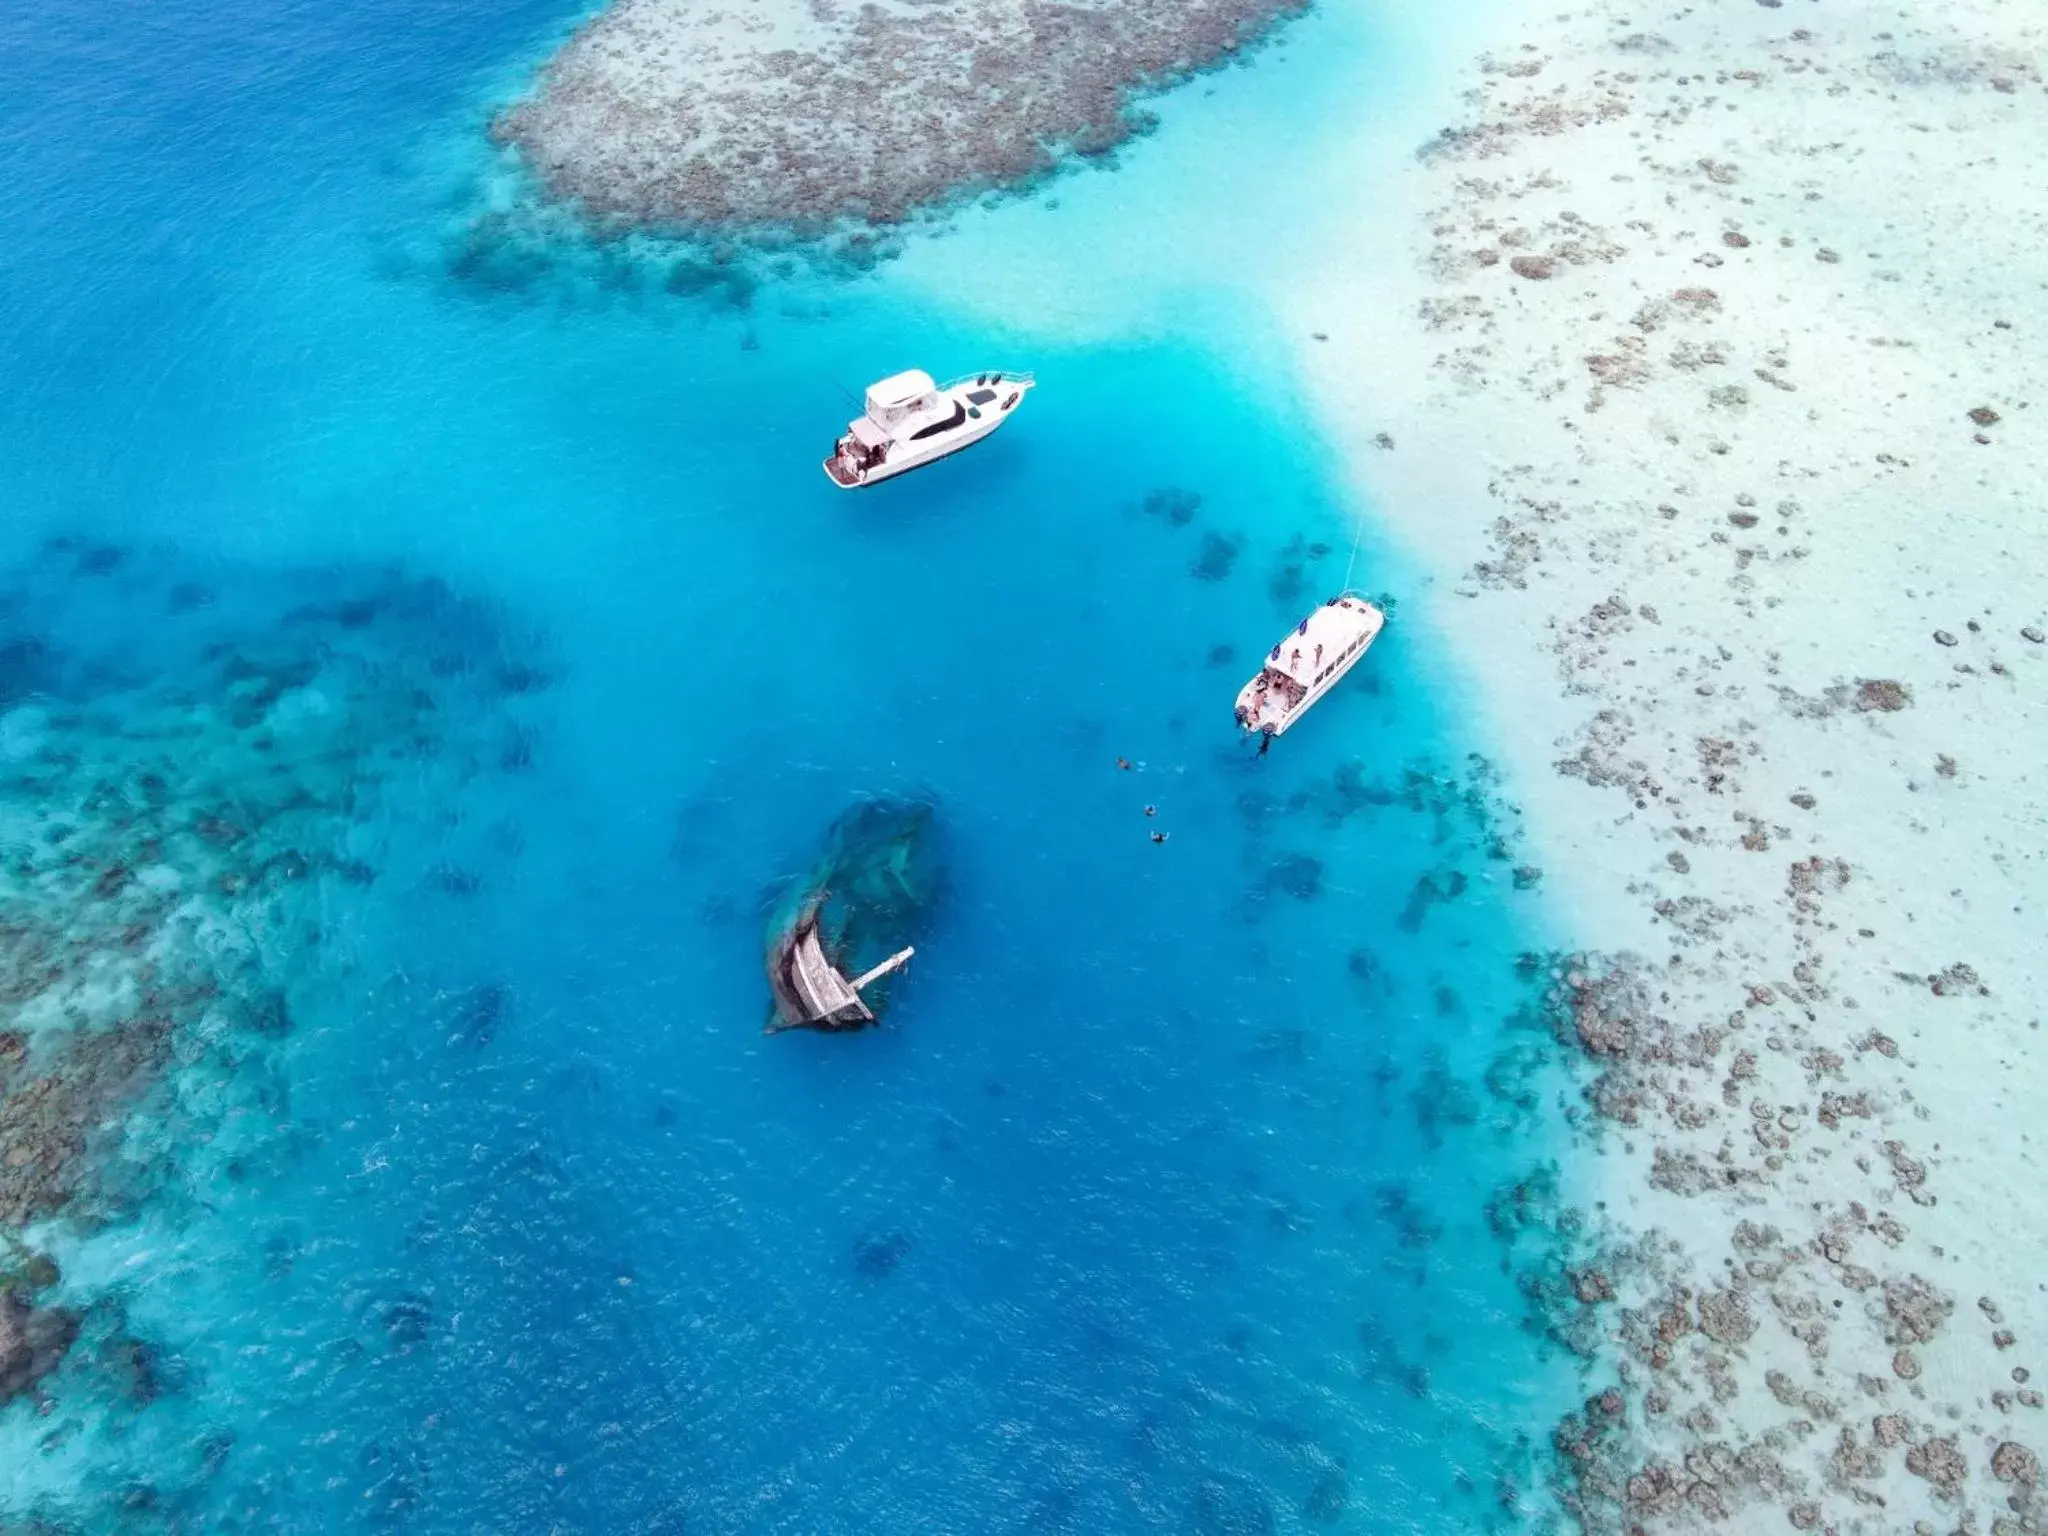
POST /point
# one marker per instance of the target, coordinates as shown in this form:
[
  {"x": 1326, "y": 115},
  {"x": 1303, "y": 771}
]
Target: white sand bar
[
  {"x": 1727, "y": 425},
  {"x": 797, "y": 114}
]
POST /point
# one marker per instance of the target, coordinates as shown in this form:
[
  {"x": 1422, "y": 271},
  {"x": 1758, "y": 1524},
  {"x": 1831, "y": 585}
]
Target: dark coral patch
[
  {"x": 1299, "y": 875},
  {"x": 876, "y": 1257},
  {"x": 1218, "y": 557}
]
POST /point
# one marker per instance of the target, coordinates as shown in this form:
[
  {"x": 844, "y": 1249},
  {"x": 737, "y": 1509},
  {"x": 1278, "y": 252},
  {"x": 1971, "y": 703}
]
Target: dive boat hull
[{"x": 1307, "y": 664}]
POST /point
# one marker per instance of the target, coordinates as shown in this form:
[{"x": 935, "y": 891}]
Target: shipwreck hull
[{"x": 868, "y": 893}]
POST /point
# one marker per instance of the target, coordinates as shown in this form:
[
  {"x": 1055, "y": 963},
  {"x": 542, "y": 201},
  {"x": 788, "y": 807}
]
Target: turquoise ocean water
[{"x": 1161, "y": 1202}]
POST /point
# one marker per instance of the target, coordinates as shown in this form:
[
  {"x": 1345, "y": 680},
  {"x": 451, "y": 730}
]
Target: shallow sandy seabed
[
  {"x": 766, "y": 114},
  {"x": 1706, "y": 348}
]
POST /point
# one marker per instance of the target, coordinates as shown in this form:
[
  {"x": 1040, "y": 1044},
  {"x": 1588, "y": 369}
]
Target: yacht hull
[
  {"x": 966, "y": 437},
  {"x": 904, "y": 457}
]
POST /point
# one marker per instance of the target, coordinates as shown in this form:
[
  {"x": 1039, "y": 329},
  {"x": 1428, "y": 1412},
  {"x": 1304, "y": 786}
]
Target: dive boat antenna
[{"x": 1357, "y": 533}]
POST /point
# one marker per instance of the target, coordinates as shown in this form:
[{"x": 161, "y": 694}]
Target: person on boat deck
[{"x": 1295, "y": 659}]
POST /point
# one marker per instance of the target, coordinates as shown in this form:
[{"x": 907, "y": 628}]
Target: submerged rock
[
  {"x": 475, "y": 1014},
  {"x": 1328, "y": 1497},
  {"x": 2014, "y": 1463},
  {"x": 1218, "y": 557},
  {"x": 35, "y": 1272},
  {"x": 139, "y": 1366},
  {"x": 1882, "y": 694},
  {"x": 1176, "y": 504},
  {"x": 52, "y": 1118},
  {"x": 33, "y": 1341},
  {"x": 1299, "y": 875},
  {"x": 1940, "y": 1462},
  {"x": 1230, "y": 1508},
  {"x": 407, "y": 1321},
  {"x": 875, "y": 1257}
]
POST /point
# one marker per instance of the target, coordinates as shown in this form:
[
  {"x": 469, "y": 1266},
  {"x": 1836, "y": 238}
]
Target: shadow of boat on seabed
[{"x": 839, "y": 935}]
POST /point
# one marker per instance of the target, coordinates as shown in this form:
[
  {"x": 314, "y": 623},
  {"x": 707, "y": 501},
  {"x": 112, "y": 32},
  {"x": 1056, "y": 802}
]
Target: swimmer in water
[
  {"x": 1151, "y": 810},
  {"x": 1158, "y": 837},
  {"x": 1124, "y": 763}
]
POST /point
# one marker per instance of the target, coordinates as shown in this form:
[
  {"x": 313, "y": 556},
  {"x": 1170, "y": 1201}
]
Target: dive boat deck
[{"x": 1308, "y": 663}]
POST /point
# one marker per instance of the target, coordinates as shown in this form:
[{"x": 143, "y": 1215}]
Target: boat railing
[{"x": 1022, "y": 376}]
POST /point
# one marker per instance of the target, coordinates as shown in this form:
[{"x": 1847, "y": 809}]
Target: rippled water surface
[{"x": 483, "y": 607}]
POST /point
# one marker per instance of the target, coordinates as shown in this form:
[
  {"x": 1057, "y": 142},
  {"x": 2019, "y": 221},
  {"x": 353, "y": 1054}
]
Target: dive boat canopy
[{"x": 1307, "y": 664}]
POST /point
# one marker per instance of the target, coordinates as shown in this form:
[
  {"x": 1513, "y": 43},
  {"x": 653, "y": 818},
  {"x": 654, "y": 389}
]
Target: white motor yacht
[
  {"x": 912, "y": 422},
  {"x": 1306, "y": 665}
]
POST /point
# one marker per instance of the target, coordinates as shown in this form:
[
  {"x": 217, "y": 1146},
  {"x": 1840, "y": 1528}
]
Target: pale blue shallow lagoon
[{"x": 1168, "y": 1199}]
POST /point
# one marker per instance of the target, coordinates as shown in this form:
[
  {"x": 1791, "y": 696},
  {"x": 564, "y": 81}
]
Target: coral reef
[
  {"x": 33, "y": 1342},
  {"x": 175, "y": 805},
  {"x": 196, "y": 782},
  {"x": 1683, "y": 391},
  {"x": 798, "y": 118}
]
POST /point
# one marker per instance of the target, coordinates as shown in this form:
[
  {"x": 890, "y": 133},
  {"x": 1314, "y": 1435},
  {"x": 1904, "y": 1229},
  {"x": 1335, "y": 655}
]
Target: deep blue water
[{"x": 1158, "y": 1206}]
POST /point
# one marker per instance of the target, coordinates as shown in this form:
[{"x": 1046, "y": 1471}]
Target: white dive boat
[
  {"x": 911, "y": 422},
  {"x": 1306, "y": 665}
]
